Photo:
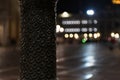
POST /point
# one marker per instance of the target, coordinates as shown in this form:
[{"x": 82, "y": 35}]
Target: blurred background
[
  {"x": 87, "y": 39},
  {"x": 88, "y": 21},
  {"x": 9, "y": 38},
  {"x": 9, "y": 22}
]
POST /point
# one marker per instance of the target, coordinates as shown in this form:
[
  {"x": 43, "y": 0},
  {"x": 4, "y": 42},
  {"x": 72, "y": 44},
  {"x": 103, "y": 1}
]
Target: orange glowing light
[{"x": 116, "y": 1}]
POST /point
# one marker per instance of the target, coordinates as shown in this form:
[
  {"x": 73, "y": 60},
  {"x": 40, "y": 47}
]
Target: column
[{"x": 38, "y": 48}]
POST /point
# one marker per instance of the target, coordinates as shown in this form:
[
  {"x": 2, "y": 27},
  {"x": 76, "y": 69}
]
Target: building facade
[
  {"x": 9, "y": 22},
  {"x": 98, "y": 26}
]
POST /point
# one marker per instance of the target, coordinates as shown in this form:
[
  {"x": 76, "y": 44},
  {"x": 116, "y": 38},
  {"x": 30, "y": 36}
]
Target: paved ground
[
  {"x": 9, "y": 63},
  {"x": 92, "y": 61}
]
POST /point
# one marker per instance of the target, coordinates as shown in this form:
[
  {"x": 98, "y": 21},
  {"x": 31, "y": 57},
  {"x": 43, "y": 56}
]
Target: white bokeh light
[
  {"x": 95, "y": 29},
  {"x": 72, "y": 29},
  {"x": 84, "y": 29},
  {"x": 71, "y": 35},
  {"x": 65, "y": 15},
  {"x": 117, "y": 36},
  {"x": 98, "y": 34},
  {"x": 95, "y": 35},
  {"x": 76, "y": 36},
  {"x": 57, "y": 28},
  {"x": 90, "y": 12},
  {"x": 61, "y": 29},
  {"x": 66, "y": 35},
  {"x": 90, "y": 29},
  {"x": 84, "y": 22},
  {"x": 88, "y": 76},
  {"x": 112, "y": 34},
  {"x": 95, "y": 21}
]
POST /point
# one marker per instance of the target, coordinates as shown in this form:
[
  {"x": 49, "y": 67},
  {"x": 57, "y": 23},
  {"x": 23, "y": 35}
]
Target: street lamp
[
  {"x": 66, "y": 35},
  {"x": 112, "y": 34},
  {"x": 76, "y": 36},
  {"x": 117, "y": 36},
  {"x": 90, "y": 12},
  {"x": 65, "y": 15},
  {"x": 57, "y": 28}
]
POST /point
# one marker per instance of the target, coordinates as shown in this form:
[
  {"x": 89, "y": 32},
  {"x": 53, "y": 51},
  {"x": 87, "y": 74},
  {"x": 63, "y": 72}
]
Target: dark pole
[{"x": 38, "y": 48}]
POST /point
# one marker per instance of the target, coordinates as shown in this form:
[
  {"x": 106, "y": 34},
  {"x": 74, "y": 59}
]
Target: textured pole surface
[{"x": 38, "y": 59}]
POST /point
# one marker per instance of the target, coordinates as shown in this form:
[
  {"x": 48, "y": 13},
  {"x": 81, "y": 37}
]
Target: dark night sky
[{"x": 76, "y": 6}]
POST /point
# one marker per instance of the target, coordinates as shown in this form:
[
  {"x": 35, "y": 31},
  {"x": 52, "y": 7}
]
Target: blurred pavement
[
  {"x": 9, "y": 63},
  {"x": 92, "y": 61}
]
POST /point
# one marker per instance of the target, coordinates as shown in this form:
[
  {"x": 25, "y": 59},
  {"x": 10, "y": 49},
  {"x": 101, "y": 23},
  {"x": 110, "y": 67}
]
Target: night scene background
[
  {"x": 82, "y": 5},
  {"x": 87, "y": 40}
]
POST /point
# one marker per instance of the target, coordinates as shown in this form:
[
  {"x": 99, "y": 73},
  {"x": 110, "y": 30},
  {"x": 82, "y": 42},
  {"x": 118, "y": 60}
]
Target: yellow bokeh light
[
  {"x": 85, "y": 35},
  {"x": 90, "y": 35},
  {"x": 76, "y": 36},
  {"x": 71, "y": 35},
  {"x": 116, "y": 1},
  {"x": 66, "y": 35}
]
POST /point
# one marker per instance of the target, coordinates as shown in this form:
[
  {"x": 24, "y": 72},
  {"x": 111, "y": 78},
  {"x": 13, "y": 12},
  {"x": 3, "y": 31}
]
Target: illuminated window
[
  {"x": 95, "y": 21},
  {"x": 84, "y": 22},
  {"x": 90, "y": 21},
  {"x": 112, "y": 34},
  {"x": 72, "y": 22},
  {"x": 90, "y": 29},
  {"x": 72, "y": 29},
  {"x": 66, "y": 35},
  {"x": 84, "y": 30},
  {"x": 95, "y": 29},
  {"x": 90, "y": 12},
  {"x": 76, "y": 36},
  {"x": 71, "y": 35}
]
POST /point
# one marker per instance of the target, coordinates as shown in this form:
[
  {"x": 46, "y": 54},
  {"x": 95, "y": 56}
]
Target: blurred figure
[
  {"x": 111, "y": 43},
  {"x": 119, "y": 43}
]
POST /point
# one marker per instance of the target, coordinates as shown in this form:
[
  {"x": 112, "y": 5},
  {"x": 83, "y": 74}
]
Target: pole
[{"x": 38, "y": 48}]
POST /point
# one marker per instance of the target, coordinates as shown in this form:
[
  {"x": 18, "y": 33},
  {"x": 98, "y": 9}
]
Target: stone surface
[
  {"x": 92, "y": 61},
  {"x": 38, "y": 48}
]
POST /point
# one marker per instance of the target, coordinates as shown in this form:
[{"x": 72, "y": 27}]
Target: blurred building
[
  {"x": 9, "y": 22},
  {"x": 79, "y": 25},
  {"x": 98, "y": 26},
  {"x": 109, "y": 20}
]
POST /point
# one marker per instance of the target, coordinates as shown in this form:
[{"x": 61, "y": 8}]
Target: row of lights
[
  {"x": 81, "y": 29},
  {"x": 65, "y": 14},
  {"x": 78, "y": 22},
  {"x": 76, "y": 36},
  {"x": 115, "y": 35},
  {"x": 90, "y": 35},
  {"x": 61, "y": 29}
]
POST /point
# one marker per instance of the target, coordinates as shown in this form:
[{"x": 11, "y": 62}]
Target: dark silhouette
[{"x": 38, "y": 48}]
